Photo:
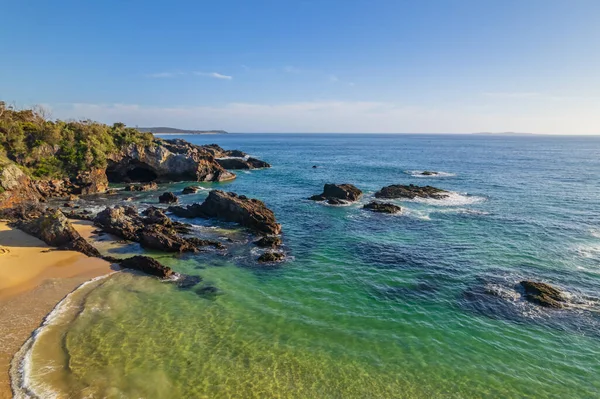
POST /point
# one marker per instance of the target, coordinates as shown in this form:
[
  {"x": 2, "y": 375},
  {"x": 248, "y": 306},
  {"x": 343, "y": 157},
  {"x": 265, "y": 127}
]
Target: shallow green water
[{"x": 368, "y": 306}]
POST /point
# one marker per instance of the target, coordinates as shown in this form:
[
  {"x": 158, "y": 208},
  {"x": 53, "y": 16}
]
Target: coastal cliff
[{"x": 42, "y": 159}]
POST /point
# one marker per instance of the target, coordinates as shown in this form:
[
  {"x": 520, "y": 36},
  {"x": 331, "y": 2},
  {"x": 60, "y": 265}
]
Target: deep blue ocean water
[{"x": 420, "y": 305}]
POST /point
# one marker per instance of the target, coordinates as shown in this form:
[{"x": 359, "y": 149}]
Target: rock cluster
[
  {"x": 338, "y": 194},
  {"x": 271, "y": 257},
  {"x": 411, "y": 191},
  {"x": 248, "y": 212},
  {"x": 153, "y": 230},
  {"x": 141, "y": 187},
  {"x": 382, "y": 207}
]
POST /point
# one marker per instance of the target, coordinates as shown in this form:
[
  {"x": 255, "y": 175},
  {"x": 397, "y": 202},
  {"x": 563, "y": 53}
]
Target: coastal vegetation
[{"x": 46, "y": 148}]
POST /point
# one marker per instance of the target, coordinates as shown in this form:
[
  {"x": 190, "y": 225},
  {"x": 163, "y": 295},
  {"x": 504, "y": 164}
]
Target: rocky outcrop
[
  {"x": 543, "y": 294},
  {"x": 153, "y": 230},
  {"x": 429, "y": 173},
  {"x": 271, "y": 257},
  {"x": 168, "y": 198},
  {"x": 16, "y": 187},
  {"x": 382, "y": 207},
  {"x": 268, "y": 242},
  {"x": 338, "y": 194},
  {"x": 165, "y": 160},
  {"x": 248, "y": 212},
  {"x": 54, "y": 229},
  {"x": 410, "y": 192},
  {"x": 147, "y": 265}
]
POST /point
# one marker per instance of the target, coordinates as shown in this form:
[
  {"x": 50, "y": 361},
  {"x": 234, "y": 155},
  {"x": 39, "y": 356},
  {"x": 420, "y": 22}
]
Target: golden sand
[{"x": 33, "y": 279}]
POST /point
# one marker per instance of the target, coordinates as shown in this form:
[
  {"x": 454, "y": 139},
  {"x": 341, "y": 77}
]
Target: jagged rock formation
[
  {"x": 154, "y": 230},
  {"x": 231, "y": 207},
  {"x": 269, "y": 242},
  {"x": 54, "y": 229},
  {"x": 338, "y": 194},
  {"x": 411, "y": 191},
  {"x": 382, "y": 207}
]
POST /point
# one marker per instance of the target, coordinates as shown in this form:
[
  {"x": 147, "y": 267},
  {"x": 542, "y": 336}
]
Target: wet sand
[{"x": 32, "y": 281}]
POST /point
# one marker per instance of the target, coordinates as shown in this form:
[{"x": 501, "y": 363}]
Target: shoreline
[{"x": 33, "y": 280}]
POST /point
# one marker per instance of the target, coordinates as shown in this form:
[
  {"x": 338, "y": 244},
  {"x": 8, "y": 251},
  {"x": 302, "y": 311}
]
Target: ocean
[{"x": 416, "y": 305}]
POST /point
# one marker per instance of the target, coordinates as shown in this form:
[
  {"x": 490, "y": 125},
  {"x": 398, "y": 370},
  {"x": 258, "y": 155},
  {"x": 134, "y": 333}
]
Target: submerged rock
[
  {"x": 428, "y": 173},
  {"x": 382, "y": 207},
  {"x": 147, "y": 265},
  {"x": 543, "y": 294},
  {"x": 187, "y": 281},
  {"x": 411, "y": 191},
  {"x": 248, "y": 212},
  {"x": 343, "y": 192},
  {"x": 168, "y": 198},
  {"x": 270, "y": 257},
  {"x": 269, "y": 242}
]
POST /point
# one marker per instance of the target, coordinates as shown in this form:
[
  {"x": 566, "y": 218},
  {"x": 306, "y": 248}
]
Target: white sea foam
[
  {"x": 453, "y": 199},
  {"x": 21, "y": 368},
  {"x": 588, "y": 251},
  {"x": 419, "y": 173}
]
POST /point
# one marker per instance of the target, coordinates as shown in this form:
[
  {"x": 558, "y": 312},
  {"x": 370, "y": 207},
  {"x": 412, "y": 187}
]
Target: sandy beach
[{"x": 33, "y": 279}]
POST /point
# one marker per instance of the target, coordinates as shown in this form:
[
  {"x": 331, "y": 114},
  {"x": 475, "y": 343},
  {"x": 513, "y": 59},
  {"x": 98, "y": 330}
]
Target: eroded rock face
[
  {"x": 411, "y": 191},
  {"x": 343, "y": 192},
  {"x": 54, "y": 229},
  {"x": 382, "y": 207},
  {"x": 16, "y": 187},
  {"x": 168, "y": 198},
  {"x": 543, "y": 294},
  {"x": 248, "y": 212},
  {"x": 147, "y": 265},
  {"x": 165, "y": 160}
]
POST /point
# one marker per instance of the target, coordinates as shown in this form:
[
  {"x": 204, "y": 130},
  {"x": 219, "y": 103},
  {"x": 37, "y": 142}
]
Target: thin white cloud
[
  {"x": 333, "y": 79},
  {"x": 347, "y": 116},
  {"x": 161, "y": 75},
  {"x": 213, "y": 75},
  {"x": 523, "y": 94}
]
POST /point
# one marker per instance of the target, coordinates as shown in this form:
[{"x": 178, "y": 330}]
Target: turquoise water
[{"x": 367, "y": 305}]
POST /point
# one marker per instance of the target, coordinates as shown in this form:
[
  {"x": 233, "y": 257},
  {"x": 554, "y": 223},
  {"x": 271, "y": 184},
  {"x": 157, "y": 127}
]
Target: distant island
[
  {"x": 505, "y": 133},
  {"x": 172, "y": 130}
]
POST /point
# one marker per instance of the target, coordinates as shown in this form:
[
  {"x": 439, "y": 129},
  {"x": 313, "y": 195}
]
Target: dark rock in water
[
  {"x": 333, "y": 192},
  {"x": 315, "y": 166},
  {"x": 198, "y": 243},
  {"x": 270, "y": 257},
  {"x": 269, "y": 242},
  {"x": 156, "y": 237},
  {"x": 382, "y": 207},
  {"x": 208, "y": 292},
  {"x": 190, "y": 190},
  {"x": 336, "y": 201},
  {"x": 141, "y": 187},
  {"x": 168, "y": 198},
  {"x": 230, "y": 207},
  {"x": 147, "y": 265},
  {"x": 55, "y": 229},
  {"x": 428, "y": 173},
  {"x": 242, "y": 163},
  {"x": 67, "y": 205},
  {"x": 411, "y": 191},
  {"x": 187, "y": 281},
  {"x": 543, "y": 294}
]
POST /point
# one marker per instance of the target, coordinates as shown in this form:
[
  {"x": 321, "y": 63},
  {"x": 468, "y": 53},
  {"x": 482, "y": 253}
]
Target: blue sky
[{"x": 309, "y": 66}]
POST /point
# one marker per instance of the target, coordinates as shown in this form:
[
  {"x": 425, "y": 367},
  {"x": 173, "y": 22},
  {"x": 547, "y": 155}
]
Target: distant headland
[{"x": 172, "y": 130}]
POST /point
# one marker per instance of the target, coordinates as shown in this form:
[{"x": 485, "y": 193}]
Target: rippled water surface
[{"x": 416, "y": 305}]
